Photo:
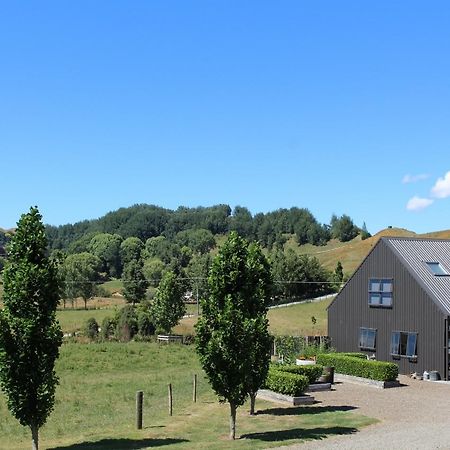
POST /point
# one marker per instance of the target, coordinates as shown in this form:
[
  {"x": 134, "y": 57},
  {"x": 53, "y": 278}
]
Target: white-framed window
[
  {"x": 404, "y": 344},
  {"x": 367, "y": 338},
  {"x": 380, "y": 292}
]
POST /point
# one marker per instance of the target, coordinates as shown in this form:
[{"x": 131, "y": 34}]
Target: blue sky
[{"x": 339, "y": 107}]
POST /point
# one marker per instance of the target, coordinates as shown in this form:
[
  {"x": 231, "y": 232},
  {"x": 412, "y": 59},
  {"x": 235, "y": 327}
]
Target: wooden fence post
[
  {"x": 139, "y": 401},
  {"x": 170, "y": 399},
  {"x": 194, "y": 393}
]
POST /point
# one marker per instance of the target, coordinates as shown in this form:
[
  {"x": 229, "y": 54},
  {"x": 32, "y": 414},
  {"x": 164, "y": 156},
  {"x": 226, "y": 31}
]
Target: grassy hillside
[{"x": 353, "y": 252}]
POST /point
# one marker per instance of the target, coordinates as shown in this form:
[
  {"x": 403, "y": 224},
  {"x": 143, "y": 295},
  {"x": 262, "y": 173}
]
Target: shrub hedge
[
  {"x": 354, "y": 355},
  {"x": 351, "y": 365},
  {"x": 312, "y": 372},
  {"x": 286, "y": 383}
]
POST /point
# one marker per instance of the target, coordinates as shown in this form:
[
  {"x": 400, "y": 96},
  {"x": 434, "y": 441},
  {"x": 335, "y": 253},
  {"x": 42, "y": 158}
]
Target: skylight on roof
[{"x": 436, "y": 268}]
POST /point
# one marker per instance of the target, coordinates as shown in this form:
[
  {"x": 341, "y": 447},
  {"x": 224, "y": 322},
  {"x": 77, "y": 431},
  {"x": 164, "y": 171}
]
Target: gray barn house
[{"x": 396, "y": 306}]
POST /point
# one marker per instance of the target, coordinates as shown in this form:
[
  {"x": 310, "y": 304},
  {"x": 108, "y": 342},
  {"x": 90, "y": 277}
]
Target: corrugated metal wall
[{"x": 412, "y": 311}]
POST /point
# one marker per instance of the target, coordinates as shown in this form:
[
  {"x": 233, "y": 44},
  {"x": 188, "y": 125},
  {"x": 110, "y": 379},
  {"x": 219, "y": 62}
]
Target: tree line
[
  {"x": 188, "y": 258},
  {"x": 146, "y": 221}
]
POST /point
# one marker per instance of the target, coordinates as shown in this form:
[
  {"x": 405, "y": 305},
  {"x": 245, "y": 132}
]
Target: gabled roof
[{"x": 415, "y": 253}]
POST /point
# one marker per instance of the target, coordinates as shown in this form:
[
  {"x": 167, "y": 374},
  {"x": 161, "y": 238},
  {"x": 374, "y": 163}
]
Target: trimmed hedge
[
  {"x": 286, "y": 383},
  {"x": 350, "y": 365},
  {"x": 312, "y": 372},
  {"x": 354, "y": 355}
]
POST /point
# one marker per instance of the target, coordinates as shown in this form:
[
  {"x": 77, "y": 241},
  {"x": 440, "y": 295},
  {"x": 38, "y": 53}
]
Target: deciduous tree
[
  {"x": 134, "y": 283},
  {"x": 168, "y": 305},
  {"x": 30, "y": 335},
  {"x": 232, "y": 337},
  {"x": 80, "y": 274}
]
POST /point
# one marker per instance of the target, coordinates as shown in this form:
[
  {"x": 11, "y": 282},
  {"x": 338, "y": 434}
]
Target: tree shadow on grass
[
  {"x": 121, "y": 444},
  {"x": 299, "y": 433},
  {"x": 303, "y": 410}
]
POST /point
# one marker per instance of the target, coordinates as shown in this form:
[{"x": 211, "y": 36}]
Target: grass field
[
  {"x": 296, "y": 320},
  {"x": 96, "y": 399},
  {"x": 293, "y": 320}
]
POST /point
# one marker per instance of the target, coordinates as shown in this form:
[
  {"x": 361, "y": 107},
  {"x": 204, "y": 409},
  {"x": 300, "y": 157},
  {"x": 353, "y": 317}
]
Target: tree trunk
[
  {"x": 232, "y": 421},
  {"x": 85, "y": 303},
  {"x": 34, "y": 437},
  {"x": 252, "y": 403}
]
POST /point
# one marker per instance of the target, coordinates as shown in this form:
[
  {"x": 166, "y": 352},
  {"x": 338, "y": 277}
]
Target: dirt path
[{"x": 415, "y": 416}]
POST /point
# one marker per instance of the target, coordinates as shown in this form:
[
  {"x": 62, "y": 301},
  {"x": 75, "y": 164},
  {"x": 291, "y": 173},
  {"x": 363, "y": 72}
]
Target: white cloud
[
  {"x": 418, "y": 203},
  {"x": 441, "y": 189},
  {"x": 414, "y": 178}
]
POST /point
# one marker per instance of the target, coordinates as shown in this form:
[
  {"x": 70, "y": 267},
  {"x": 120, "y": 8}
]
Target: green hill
[{"x": 352, "y": 253}]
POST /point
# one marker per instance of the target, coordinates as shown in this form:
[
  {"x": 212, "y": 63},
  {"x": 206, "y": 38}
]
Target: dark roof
[{"x": 415, "y": 253}]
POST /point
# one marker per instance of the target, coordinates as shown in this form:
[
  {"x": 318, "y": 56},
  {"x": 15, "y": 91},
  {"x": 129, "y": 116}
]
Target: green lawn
[
  {"x": 96, "y": 399},
  {"x": 72, "y": 320},
  {"x": 296, "y": 320}
]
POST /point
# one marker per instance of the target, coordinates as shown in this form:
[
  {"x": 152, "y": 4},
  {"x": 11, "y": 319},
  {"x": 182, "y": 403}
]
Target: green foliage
[
  {"x": 80, "y": 275},
  {"x": 354, "y": 354},
  {"x": 338, "y": 273},
  {"x": 286, "y": 383},
  {"x": 343, "y": 228},
  {"x": 289, "y": 347},
  {"x": 126, "y": 323},
  {"x": 242, "y": 222},
  {"x": 299, "y": 276},
  {"x": 107, "y": 248},
  {"x": 131, "y": 250},
  {"x": 134, "y": 282},
  {"x": 232, "y": 335},
  {"x": 168, "y": 305},
  {"x": 199, "y": 240},
  {"x": 154, "y": 270},
  {"x": 147, "y": 221},
  {"x": 30, "y": 335},
  {"x": 312, "y": 372},
  {"x": 293, "y": 347},
  {"x": 91, "y": 328},
  {"x": 102, "y": 291},
  {"x": 364, "y": 233},
  {"x": 351, "y": 365},
  {"x": 198, "y": 271},
  {"x": 4, "y": 238},
  {"x": 108, "y": 327},
  {"x": 146, "y": 326}
]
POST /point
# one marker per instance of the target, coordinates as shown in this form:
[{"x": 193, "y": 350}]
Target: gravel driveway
[{"x": 414, "y": 416}]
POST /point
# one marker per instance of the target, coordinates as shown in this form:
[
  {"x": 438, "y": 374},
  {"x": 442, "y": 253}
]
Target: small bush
[
  {"x": 101, "y": 291},
  {"x": 127, "y": 323},
  {"x": 312, "y": 372},
  {"x": 91, "y": 328},
  {"x": 291, "y": 347},
  {"x": 356, "y": 366},
  {"x": 146, "y": 326},
  {"x": 286, "y": 383},
  {"x": 108, "y": 328}
]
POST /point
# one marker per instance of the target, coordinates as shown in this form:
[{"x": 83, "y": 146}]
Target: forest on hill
[
  {"x": 146, "y": 221},
  {"x": 142, "y": 243}
]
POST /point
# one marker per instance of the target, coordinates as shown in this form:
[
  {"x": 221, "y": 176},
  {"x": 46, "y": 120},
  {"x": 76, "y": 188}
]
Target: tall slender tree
[
  {"x": 30, "y": 335},
  {"x": 134, "y": 283},
  {"x": 168, "y": 306},
  {"x": 232, "y": 337}
]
